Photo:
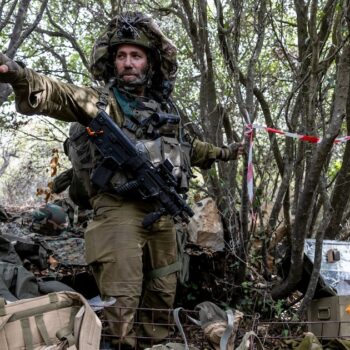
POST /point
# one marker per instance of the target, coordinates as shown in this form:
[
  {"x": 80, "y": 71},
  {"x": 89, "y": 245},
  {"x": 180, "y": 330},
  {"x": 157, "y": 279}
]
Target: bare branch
[
  {"x": 5, "y": 21},
  {"x": 62, "y": 33},
  {"x": 17, "y": 40}
]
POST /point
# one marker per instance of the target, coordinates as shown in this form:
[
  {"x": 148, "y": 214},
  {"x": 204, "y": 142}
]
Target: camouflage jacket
[{"x": 39, "y": 94}]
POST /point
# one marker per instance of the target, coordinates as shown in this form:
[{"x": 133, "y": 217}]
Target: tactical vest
[{"x": 156, "y": 134}]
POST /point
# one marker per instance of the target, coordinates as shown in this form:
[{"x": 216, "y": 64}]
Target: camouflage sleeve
[
  {"x": 204, "y": 154},
  {"x": 39, "y": 94}
]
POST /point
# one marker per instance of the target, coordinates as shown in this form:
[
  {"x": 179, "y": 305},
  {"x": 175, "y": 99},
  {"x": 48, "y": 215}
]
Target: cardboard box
[{"x": 330, "y": 312}]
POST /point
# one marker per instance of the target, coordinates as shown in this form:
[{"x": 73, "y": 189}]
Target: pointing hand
[{"x": 10, "y": 71}]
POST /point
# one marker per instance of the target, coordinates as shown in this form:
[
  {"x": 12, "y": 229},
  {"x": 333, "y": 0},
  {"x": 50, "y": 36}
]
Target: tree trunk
[
  {"x": 341, "y": 191},
  {"x": 318, "y": 159}
]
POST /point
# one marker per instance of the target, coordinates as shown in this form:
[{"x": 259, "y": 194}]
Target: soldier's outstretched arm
[{"x": 39, "y": 94}]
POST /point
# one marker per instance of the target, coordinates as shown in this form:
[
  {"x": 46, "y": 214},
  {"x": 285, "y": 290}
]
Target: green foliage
[
  {"x": 257, "y": 300},
  {"x": 223, "y": 72},
  {"x": 334, "y": 168}
]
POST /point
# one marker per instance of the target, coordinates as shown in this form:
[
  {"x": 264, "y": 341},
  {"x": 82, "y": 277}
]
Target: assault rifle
[{"x": 152, "y": 182}]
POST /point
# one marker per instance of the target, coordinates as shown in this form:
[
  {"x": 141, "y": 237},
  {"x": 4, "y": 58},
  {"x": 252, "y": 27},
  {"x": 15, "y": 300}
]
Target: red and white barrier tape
[
  {"x": 250, "y": 171},
  {"x": 307, "y": 138},
  {"x": 249, "y": 132}
]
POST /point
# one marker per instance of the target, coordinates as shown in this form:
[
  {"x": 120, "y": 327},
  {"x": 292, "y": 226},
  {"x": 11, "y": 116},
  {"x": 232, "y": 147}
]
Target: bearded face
[{"x": 132, "y": 67}]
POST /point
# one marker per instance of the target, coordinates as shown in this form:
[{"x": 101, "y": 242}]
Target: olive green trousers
[{"x": 120, "y": 251}]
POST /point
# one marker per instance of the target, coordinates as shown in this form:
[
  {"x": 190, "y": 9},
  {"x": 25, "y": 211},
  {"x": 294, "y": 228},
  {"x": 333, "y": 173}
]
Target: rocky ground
[
  {"x": 48, "y": 254},
  {"x": 58, "y": 254}
]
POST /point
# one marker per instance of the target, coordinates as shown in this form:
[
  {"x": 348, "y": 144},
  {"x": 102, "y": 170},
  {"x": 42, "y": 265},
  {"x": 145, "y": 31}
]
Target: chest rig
[
  {"x": 156, "y": 134},
  {"x": 143, "y": 119}
]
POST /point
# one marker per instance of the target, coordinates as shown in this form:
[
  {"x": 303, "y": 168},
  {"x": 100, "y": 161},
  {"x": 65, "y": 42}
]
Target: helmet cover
[{"x": 137, "y": 29}]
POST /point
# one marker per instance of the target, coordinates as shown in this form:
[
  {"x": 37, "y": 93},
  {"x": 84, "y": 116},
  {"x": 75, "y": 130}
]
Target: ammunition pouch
[{"x": 157, "y": 151}]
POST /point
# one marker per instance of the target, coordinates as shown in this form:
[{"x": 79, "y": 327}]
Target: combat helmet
[{"x": 136, "y": 28}]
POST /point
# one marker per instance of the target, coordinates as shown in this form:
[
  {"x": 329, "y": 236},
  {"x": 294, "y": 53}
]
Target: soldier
[{"x": 138, "y": 66}]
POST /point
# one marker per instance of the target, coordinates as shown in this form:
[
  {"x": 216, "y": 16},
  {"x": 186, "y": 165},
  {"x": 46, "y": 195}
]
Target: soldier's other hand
[
  {"x": 4, "y": 68},
  {"x": 10, "y": 71},
  {"x": 232, "y": 151}
]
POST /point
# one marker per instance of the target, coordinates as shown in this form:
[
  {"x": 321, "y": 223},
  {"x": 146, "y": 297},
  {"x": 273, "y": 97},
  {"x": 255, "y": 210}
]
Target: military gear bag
[
  {"x": 16, "y": 282},
  {"x": 57, "y": 321},
  {"x": 219, "y": 327},
  {"x": 77, "y": 179},
  {"x": 49, "y": 219},
  {"x": 78, "y": 149},
  {"x": 4, "y": 216}
]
